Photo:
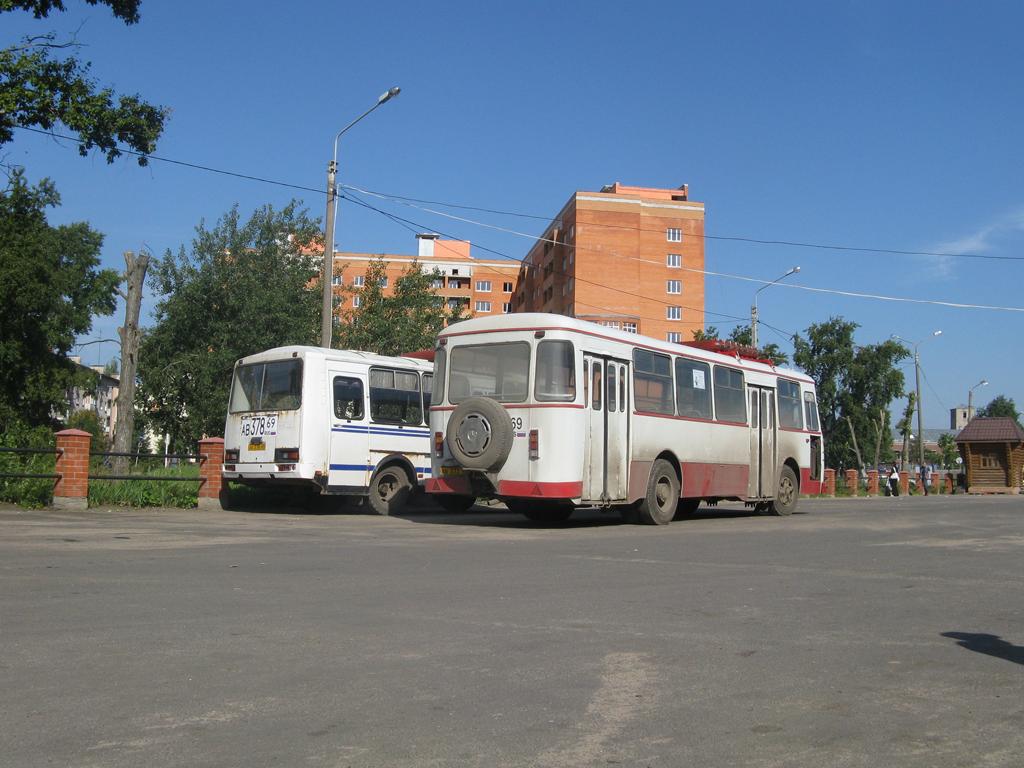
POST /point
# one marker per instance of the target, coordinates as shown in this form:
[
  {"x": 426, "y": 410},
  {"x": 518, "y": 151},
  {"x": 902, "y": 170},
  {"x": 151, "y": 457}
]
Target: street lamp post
[
  {"x": 970, "y": 397},
  {"x": 327, "y": 312},
  {"x": 917, "y": 376},
  {"x": 753, "y": 307}
]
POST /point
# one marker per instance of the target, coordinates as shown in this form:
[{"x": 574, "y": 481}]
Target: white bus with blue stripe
[{"x": 344, "y": 422}]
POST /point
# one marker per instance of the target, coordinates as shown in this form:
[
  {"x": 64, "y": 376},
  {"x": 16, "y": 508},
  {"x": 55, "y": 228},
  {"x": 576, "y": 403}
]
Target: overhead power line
[{"x": 405, "y": 199}]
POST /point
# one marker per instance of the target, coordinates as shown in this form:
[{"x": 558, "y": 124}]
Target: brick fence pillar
[
  {"x": 948, "y": 480},
  {"x": 872, "y": 482},
  {"x": 211, "y": 467},
  {"x": 904, "y": 482},
  {"x": 852, "y": 481},
  {"x": 829, "y": 485},
  {"x": 72, "y": 488}
]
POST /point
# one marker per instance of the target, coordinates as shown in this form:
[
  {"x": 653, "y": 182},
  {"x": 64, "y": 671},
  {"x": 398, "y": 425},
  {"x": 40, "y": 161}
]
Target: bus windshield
[{"x": 273, "y": 386}]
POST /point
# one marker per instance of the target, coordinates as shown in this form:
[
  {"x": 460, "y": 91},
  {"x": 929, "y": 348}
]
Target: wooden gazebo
[{"x": 993, "y": 453}]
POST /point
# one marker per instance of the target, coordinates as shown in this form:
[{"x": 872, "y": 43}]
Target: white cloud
[{"x": 982, "y": 241}]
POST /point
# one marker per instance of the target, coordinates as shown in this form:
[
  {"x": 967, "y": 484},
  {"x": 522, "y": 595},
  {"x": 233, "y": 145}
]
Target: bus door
[
  {"x": 606, "y": 449},
  {"x": 348, "y": 450},
  {"x": 761, "y": 481}
]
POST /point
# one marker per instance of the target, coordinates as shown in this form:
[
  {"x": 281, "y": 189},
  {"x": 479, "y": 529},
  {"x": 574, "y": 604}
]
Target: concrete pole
[
  {"x": 753, "y": 324},
  {"x": 327, "y": 311},
  {"x": 920, "y": 416}
]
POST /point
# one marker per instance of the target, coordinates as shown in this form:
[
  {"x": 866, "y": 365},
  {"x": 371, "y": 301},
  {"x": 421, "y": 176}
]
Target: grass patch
[{"x": 149, "y": 490}]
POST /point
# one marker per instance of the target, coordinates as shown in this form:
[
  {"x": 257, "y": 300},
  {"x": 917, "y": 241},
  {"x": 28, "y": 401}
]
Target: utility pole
[
  {"x": 920, "y": 412},
  {"x": 124, "y": 429},
  {"x": 327, "y": 311}
]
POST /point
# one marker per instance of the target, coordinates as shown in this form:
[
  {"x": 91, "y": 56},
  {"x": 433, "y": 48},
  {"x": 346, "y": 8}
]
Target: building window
[
  {"x": 674, "y": 235},
  {"x": 484, "y": 286},
  {"x": 483, "y": 306},
  {"x": 506, "y": 307},
  {"x": 629, "y": 327},
  {"x": 674, "y": 260},
  {"x": 572, "y": 231},
  {"x": 673, "y": 286},
  {"x": 673, "y": 313},
  {"x": 506, "y": 287},
  {"x": 438, "y": 283},
  {"x": 359, "y": 281},
  {"x": 357, "y": 301},
  {"x": 384, "y": 282},
  {"x": 674, "y": 336},
  {"x": 336, "y": 280},
  {"x": 572, "y": 256}
]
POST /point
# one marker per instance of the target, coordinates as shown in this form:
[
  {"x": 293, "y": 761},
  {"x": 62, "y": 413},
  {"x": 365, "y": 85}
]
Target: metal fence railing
[{"x": 32, "y": 475}]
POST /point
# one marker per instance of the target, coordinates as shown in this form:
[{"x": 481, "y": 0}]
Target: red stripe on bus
[
  {"x": 530, "y": 489},
  {"x": 807, "y": 485}
]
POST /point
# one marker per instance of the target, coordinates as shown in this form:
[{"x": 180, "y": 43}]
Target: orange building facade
[
  {"x": 479, "y": 286},
  {"x": 627, "y": 257}
]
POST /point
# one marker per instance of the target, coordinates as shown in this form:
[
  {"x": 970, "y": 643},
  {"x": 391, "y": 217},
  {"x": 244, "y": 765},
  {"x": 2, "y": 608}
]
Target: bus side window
[
  {"x": 596, "y": 387},
  {"x": 586, "y": 382},
  {"x": 622, "y": 388},
  {"x": 610, "y": 387},
  {"x": 428, "y": 381},
  {"x": 348, "y": 398}
]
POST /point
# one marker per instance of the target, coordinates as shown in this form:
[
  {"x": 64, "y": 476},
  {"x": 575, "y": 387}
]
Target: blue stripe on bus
[
  {"x": 383, "y": 431},
  {"x": 368, "y": 468}
]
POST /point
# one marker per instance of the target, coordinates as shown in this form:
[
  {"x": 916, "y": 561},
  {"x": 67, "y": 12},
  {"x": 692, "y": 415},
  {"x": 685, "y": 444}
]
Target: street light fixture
[
  {"x": 917, "y": 376},
  {"x": 327, "y": 312},
  {"x": 753, "y": 307},
  {"x": 970, "y": 397}
]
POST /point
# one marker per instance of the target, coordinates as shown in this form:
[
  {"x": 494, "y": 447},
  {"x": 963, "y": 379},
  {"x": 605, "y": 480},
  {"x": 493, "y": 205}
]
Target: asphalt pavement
[{"x": 882, "y": 632}]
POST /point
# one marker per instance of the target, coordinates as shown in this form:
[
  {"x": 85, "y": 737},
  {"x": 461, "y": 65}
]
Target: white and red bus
[{"x": 548, "y": 413}]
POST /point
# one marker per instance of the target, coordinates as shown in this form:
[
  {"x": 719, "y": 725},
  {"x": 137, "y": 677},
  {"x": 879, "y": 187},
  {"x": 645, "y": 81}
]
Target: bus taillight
[
  {"x": 439, "y": 444},
  {"x": 534, "y": 444},
  {"x": 231, "y": 455},
  {"x": 286, "y": 454}
]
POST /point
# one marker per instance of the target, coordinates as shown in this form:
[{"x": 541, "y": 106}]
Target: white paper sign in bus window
[{"x": 698, "y": 379}]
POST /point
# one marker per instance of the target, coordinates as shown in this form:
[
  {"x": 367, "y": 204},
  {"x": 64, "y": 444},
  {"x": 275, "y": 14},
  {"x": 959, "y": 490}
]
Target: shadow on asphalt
[
  {"x": 281, "y": 501},
  {"x": 990, "y": 645}
]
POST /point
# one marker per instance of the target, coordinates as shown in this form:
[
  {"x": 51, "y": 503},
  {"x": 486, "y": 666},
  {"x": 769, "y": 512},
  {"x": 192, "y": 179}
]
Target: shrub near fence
[{"x": 27, "y": 466}]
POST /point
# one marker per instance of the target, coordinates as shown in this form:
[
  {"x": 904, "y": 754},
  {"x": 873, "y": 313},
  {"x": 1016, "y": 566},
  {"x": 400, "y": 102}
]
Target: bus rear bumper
[
  {"x": 518, "y": 489},
  {"x": 269, "y": 471}
]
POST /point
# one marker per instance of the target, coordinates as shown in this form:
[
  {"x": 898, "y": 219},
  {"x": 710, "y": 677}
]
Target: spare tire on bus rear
[{"x": 480, "y": 434}]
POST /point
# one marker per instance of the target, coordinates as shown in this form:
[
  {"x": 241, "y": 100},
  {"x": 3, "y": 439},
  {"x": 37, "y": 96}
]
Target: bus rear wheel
[
  {"x": 786, "y": 496},
  {"x": 658, "y": 507},
  {"x": 389, "y": 490}
]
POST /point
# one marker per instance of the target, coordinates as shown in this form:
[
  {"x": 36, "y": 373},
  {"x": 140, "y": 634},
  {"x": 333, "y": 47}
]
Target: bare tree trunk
[
  {"x": 856, "y": 448},
  {"x": 135, "y": 275},
  {"x": 878, "y": 436}
]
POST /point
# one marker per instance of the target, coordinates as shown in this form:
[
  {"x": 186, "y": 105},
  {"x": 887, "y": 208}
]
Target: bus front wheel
[
  {"x": 786, "y": 497},
  {"x": 658, "y": 507},
  {"x": 389, "y": 490}
]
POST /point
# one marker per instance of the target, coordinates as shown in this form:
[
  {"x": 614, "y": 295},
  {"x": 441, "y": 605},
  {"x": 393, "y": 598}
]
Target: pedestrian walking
[
  {"x": 894, "y": 481},
  {"x": 926, "y": 477}
]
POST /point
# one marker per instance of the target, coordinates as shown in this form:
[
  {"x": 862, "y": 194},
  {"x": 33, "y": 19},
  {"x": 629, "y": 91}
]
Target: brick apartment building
[
  {"x": 483, "y": 286},
  {"x": 620, "y": 257}
]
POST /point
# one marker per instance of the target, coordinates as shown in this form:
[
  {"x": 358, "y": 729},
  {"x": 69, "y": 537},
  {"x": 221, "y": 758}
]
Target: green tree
[
  {"x": 406, "y": 321},
  {"x": 242, "y": 288},
  {"x": 948, "y": 450},
  {"x": 709, "y": 333},
  {"x": 50, "y": 288},
  {"x": 1001, "y": 405},
  {"x": 89, "y": 422},
  {"x": 852, "y": 381},
  {"x": 39, "y": 90}
]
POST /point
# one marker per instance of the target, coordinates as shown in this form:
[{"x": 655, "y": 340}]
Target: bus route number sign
[{"x": 259, "y": 425}]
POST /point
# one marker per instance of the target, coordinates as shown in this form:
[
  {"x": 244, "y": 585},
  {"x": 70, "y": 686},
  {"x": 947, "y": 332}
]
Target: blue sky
[{"x": 872, "y": 124}]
